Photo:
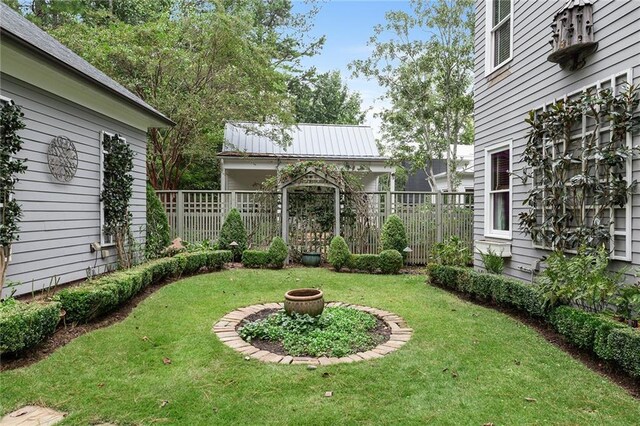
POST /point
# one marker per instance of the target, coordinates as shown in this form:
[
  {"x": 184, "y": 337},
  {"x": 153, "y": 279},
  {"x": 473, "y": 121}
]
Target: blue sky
[{"x": 348, "y": 26}]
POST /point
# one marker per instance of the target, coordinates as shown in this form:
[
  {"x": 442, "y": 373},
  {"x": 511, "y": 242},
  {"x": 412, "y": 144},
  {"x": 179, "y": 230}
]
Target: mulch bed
[
  {"x": 589, "y": 359},
  {"x": 381, "y": 333}
]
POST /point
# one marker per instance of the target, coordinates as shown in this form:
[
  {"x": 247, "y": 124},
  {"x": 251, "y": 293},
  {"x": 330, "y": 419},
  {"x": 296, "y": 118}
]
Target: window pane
[
  {"x": 500, "y": 170},
  {"x": 501, "y": 9},
  {"x": 502, "y": 43},
  {"x": 500, "y": 218}
]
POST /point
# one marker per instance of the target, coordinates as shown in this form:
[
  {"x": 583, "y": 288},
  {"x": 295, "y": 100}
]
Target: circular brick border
[{"x": 225, "y": 329}]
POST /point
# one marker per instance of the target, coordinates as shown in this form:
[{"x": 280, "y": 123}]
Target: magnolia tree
[
  {"x": 427, "y": 82},
  {"x": 10, "y": 167}
]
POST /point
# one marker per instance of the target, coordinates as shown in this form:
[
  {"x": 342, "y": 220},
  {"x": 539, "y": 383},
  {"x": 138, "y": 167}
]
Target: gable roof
[
  {"x": 26, "y": 33},
  {"x": 322, "y": 141}
]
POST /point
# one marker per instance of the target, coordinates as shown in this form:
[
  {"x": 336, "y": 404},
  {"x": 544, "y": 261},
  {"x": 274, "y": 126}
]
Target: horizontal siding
[
  {"x": 503, "y": 99},
  {"x": 61, "y": 220}
]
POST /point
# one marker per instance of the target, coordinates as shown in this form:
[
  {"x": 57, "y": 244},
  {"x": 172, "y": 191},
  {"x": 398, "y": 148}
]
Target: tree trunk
[{"x": 4, "y": 262}]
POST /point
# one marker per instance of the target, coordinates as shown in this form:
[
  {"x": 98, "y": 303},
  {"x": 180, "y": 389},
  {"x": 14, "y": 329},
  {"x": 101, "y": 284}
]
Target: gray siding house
[
  {"x": 512, "y": 77},
  {"x": 62, "y": 95}
]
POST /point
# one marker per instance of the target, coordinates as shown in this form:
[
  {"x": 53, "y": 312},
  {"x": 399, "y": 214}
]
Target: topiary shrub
[
  {"x": 394, "y": 236},
  {"x": 364, "y": 262},
  {"x": 158, "y": 237},
  {"x": 233, "y": 230},
  {"x": 23, "y": 325},
  {"x": 390, "y": 261},
  {"x": 255, "y": 258},
  {"x": 278, "y": 252},
  {"x": 339, "y": 253}
]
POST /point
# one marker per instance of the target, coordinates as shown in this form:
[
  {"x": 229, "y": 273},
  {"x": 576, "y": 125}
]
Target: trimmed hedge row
[
  {"x": 96, "y": 298},
  {"x": 23, "y": 325},
  {"x": 388, "y": 261},
  {"x": 274, "y": 257},
  {"x": 608, "y": 339}
]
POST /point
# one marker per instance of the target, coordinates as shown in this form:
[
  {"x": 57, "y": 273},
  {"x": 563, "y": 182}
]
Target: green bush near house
[
  {"x": 608, "y": 339},
  {"x": 157, "y": 228},
  {"x": 23, "y": 325},
  {"x": 95, "y": 298},
  {"x": 339, "y": 253},
  {"x": 233, "y": 230},
  {"x": 390, "y": 261},
  {"x": 394, "y": 236}
]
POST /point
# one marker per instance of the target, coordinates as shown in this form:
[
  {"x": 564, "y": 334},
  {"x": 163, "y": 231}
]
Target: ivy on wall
[
  {"x": 117, "y": 190},
  {"x": 10, "y": 167},
  {"x": 576, "y": 157}
]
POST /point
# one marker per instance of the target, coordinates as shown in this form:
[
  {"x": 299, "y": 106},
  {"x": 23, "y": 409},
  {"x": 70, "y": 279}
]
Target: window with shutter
[
  {"x": 499, "y": 33},
  {"x": 498, "y": 191}
]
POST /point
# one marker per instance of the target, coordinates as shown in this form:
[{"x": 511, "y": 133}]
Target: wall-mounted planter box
[{"x": 501, "y": 249}]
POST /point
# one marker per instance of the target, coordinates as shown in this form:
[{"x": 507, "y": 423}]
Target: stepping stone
[{"x": 32, "y": 415}]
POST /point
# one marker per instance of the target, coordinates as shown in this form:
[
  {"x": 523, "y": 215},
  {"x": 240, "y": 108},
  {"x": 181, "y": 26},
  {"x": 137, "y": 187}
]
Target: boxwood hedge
[{"x": 23, "y": 325}]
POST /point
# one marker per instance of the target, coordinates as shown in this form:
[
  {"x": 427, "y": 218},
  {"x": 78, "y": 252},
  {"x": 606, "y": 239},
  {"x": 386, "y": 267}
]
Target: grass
[{"x": 464, "y": 365}]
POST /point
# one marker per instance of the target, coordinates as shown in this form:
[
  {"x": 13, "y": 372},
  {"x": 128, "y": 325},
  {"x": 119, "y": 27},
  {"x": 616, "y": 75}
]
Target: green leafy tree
[
  {"x": 233, "y": 230},
  {"x": 394, "y": 236},
  {"x": 428, "y": 82},
  {"x": 11, "y": 122},
  {"x": 157, "y": 229},
  {"x": 323, "y": 98}
]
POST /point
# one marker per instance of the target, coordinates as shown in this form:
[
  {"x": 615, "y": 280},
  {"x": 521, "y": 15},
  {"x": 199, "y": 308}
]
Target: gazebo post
[
  {"x": 285, "y": 216},
  {"x": 336, "y": 230}
]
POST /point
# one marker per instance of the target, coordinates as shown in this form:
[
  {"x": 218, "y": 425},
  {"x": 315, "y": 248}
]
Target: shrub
[
  {"x": 577, "y": 326},
  {"x": 255, "y": 258},
  {"x": 364, "y": 262},
  {"x": 493, "y": 263},
  {"x": 390, "y": 261},
  {"x": 339, "y": 253},
  {"x": 233, "y": 230},
  {"x": 23, "y": 325},
  {"x": 452, "y": 252},
  {"x": 624, "y": 346},
  {"x": 278, "y": 252},
  {"x": 394, "y": 236},
  {"x": 157, "y": 228},
  {"x": 96, "y": 298}
]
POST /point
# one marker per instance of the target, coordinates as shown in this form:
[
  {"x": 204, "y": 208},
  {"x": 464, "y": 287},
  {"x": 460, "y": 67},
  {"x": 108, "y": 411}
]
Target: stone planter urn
[
  {"x": 311, "y": 259},
  {"x": 308, "y": 301}
]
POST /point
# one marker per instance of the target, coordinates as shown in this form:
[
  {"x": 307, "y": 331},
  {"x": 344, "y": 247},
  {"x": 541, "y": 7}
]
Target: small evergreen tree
[
  {"x": 394, "y": 236},
  {"x": 233, "y": 230},
  {"x": 339, "y": 253},
  {"x": 158, "y": 237},
  {"x": 278, "y": 253}
]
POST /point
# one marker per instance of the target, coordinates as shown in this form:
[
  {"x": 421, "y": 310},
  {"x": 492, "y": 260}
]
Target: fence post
[
  {"x": 387, "y": 205},
  {"x": 234, "y": 201},
  {"x": 180, "y": 214},
  {"x": 439, "y": 217}
]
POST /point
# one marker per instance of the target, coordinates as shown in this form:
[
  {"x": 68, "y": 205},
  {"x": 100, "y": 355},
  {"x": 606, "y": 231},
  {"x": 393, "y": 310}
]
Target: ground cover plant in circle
[{"x": 338, "y": 332}]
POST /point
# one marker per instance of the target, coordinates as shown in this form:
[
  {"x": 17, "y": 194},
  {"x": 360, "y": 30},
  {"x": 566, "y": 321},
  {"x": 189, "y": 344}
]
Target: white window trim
[
  {"x": 103, "y": 241},
  {"x": 488, "y": 211},
  {"x": 488, "y": 39}
]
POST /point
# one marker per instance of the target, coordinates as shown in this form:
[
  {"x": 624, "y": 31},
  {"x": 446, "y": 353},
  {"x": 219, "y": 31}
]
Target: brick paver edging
[{"x": 225, "y": 329}]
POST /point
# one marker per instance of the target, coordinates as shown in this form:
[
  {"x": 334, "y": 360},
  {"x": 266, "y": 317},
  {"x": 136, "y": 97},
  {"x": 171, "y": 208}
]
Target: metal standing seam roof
[
  {"x": 22, "y": 30},
  {"x": 308, "y": 141}
]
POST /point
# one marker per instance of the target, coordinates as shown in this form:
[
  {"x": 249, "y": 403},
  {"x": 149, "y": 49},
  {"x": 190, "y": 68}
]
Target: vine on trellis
[
  {"x": 577, "y": 182},
  {"x": 116, "y": 194}
]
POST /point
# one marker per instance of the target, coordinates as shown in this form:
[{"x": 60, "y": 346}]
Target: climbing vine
[
  {"x": 116, "y": 194},
  {"x": 577, "y": 155},
  {"x": 10, "y": 167}
]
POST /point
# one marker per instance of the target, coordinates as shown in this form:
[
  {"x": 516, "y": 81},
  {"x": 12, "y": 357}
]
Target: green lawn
[{"x": 116, "y": 375}]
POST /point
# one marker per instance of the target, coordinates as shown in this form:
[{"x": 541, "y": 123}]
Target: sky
[{"x": 348, "y": 26}]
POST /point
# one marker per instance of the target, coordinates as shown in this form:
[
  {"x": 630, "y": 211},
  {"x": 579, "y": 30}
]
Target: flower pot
[
  {"x": 311, "y": 259},
  {"x": 308, "y": 301}
]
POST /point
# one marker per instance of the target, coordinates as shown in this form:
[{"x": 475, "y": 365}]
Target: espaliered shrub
[
  {"x": 390, "y": 261},
  {"x": 23, "y": 325},
  {"x": 394, "y": 236},
  {"x": 339, "y": 253},
  {"x": 96, "y": 298},
  {"x": 608, "y": 339},
  {"x": 157, "y": 229}
]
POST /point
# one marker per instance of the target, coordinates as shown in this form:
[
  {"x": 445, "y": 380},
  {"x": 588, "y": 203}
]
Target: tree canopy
[{"x": 428, "y": 82}]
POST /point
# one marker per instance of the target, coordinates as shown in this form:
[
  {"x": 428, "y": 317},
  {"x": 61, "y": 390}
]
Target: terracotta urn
[{"x": 308, "y": 301}]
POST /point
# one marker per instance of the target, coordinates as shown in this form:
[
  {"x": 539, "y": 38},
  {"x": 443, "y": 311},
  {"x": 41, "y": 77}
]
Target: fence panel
[{"x": 429, "y": 217}]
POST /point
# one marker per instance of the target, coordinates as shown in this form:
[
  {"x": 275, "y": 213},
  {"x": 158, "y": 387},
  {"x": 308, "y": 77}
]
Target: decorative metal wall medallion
[{"x": 63, "y": 158}]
